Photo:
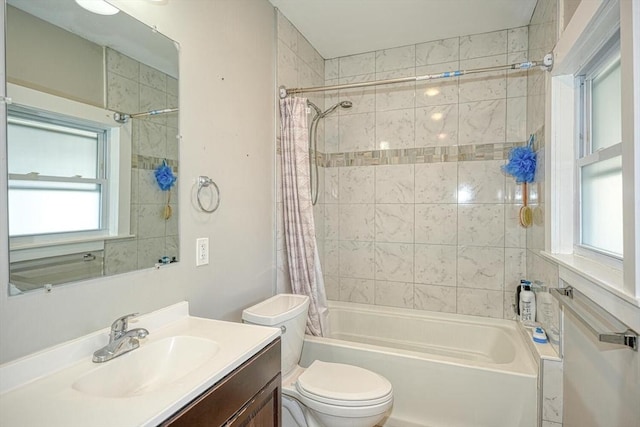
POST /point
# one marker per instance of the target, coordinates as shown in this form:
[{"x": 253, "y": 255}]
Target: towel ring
[{"x": 203, "y": 182}]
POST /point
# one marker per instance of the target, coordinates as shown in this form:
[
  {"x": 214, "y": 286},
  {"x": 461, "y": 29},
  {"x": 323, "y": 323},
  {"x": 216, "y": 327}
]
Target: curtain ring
[{"x": 205, "y": 181}]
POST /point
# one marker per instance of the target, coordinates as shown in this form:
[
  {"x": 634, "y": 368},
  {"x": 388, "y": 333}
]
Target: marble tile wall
[
  {"x": 298, "y": 65},
  {"x": 135, "y": 87},
  {"x": 542, "y": 39},
  {"x": 551, "y": 401},
  {"x": 416, "y": 211}
]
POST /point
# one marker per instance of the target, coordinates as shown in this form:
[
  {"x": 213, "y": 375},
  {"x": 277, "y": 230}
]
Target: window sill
[
  {"x": 25, "y": 251},
  {"x": 86, "y": 239},
  {"x": 594, "y": 274}
]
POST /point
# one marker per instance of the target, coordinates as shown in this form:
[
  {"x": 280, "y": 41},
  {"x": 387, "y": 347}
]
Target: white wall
[
  {"x": 227, "y": 124},
  {"x": 70, "y": 64}
]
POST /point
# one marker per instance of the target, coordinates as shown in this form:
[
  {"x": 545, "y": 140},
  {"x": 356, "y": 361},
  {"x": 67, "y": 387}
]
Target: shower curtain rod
[
  {"x": 123, "y": 117},
  {"x": 545, "y": 64}
]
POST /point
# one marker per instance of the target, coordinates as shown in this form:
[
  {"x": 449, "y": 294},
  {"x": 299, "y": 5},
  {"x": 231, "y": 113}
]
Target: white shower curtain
[{"x": 299, "y": 227}]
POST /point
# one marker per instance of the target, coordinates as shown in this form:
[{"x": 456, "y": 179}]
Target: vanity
[{"x": 188, "y": 371}]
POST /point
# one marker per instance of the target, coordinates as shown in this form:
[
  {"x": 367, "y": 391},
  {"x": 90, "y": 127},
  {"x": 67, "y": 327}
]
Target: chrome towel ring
[{"x": 203, "y": 182}]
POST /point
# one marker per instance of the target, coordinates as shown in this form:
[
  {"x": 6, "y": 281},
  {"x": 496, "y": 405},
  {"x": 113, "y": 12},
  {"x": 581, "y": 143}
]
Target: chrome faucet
[{"x": 121, "y": 340}]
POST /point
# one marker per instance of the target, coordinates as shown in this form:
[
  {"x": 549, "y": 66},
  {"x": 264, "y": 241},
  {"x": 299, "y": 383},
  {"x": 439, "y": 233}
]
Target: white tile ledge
[{"x": 539, "y": 351}]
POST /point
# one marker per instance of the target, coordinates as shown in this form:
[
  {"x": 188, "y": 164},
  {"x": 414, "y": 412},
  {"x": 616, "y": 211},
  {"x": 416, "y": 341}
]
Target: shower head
[{"x": 342, "y": 104}]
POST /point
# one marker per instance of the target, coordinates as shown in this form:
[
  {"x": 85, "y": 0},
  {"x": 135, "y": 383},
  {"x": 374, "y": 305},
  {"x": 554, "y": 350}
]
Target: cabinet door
[
  {"x": 259, "y": 376},
  {"x": 263, "y": 410}
]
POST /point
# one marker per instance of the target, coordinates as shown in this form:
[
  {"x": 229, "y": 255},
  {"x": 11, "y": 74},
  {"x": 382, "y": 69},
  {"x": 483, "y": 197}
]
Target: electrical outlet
[{"x": 202, "y": 251}]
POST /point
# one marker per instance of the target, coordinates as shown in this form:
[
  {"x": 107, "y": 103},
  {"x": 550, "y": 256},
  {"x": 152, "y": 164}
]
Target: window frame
[
  {"x": 592, "y": 25},
  {"x": 584, "y": 153},
  {"x": 47, "y": 120},
  {"x": 116, "y": 208}
]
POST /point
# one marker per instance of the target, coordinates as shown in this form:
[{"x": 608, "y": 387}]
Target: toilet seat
[{"x": 343, "y": 385}]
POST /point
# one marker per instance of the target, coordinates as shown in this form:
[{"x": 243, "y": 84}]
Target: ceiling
[{"x": 345, "y": 27}]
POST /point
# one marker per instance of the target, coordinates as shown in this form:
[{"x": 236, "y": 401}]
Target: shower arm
[
  {"x": 124, "y": 118},
  {"x": 546, "y": 64}
]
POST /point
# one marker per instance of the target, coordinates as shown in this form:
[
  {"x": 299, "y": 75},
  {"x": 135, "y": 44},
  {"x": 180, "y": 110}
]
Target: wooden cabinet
[{"x": 248, "y": 396}]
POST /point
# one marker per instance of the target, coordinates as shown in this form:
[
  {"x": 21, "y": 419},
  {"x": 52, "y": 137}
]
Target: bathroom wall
[
  {"x": 417, "y": 212},
  {"x": 79, "y": 64},
  {"x": 542, "y": 39},
  {"x": 299, "y": 65},
  {"x": 136, "y": 87},
  {"x": 227, "y": 126}
]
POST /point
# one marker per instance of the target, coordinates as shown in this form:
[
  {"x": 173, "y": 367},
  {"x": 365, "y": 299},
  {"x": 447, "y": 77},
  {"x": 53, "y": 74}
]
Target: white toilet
[{"x": 324, "y": 394}]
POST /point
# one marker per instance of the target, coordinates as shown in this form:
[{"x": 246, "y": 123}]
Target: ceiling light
[
  {"x": 436, "y": 116},
  {"x": 100, "y": 7}
]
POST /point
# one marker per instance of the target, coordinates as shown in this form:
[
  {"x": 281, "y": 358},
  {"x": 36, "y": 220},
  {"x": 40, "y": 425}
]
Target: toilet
[{"x": 324, "y": 394}]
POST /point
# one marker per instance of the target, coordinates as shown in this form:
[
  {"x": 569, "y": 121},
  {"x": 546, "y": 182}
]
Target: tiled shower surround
[
  {"x": 414, "y": 210},
  {"x": 135, "y": 87}
]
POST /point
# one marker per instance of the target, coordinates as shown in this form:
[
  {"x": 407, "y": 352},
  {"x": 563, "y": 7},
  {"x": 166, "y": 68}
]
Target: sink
[{"x": 150, "y": 368}]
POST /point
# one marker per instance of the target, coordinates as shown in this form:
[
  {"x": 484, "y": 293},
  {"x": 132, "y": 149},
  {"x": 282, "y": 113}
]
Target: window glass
[
  {"x": 601, "y": 205},
  {"x": 53, "y": 210},
  {"x": 606, "y": 126},
  {"x": 51, "y": 150},
  {"x": 56, "y": 178}
]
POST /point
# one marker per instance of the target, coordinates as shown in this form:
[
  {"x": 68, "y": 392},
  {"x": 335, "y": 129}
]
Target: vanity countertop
[{"x": 41, "y": 389}]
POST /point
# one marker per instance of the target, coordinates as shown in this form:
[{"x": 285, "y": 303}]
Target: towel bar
[{"x": 599, "y": 321}]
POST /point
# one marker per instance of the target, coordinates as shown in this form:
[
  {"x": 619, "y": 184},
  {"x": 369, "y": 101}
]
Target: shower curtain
[{"x": 299, "y": 227}]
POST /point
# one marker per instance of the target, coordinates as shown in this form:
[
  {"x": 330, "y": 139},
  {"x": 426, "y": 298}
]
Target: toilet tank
[{"x": 289, "y": 313}]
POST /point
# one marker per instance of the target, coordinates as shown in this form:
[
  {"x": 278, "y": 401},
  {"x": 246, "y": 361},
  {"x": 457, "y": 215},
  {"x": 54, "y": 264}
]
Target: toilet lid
[{"x": 340, "y": 384}]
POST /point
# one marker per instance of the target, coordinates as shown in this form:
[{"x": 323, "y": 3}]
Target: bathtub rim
[
  {"x": 416, "y": 313},
  {"x": 527, "y": 367}
]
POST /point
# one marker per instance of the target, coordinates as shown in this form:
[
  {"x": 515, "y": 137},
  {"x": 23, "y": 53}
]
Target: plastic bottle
[
  {"x": 527, "y": 304},
  {"x": 544, "y": 311}
]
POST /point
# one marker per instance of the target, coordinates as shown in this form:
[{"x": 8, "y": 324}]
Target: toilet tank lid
[{"x": 277, "y": 309}]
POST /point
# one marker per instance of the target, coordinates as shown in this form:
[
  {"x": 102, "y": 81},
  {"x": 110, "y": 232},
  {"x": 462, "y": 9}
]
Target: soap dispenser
[{"x": 527, "y": 303}]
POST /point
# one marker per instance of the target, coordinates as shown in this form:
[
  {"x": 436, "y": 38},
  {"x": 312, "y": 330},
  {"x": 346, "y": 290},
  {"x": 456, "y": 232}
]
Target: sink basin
[{"x": 149, "y": 368}]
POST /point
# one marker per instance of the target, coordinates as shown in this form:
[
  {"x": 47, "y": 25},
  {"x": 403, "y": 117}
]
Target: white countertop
[{"x": 37, "y": 390}]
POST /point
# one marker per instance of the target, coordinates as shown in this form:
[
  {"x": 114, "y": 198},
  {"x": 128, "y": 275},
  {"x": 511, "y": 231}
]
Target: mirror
[{"x": 94, "y": 115}]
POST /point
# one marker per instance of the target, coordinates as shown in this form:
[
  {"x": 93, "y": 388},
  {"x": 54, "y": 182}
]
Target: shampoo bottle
[{"x": 527, "y": 304}]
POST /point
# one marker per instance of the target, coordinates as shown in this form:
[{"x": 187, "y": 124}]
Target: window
[
  {"x": 69, "y": 175},
  {"x": 593, "y": 155},
  {"x": 599, "y": 156},
  {"x": 57, "y": 177}
]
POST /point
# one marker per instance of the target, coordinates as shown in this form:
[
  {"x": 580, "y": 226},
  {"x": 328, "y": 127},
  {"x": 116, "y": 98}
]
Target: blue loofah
[
  {"x": 522, "y": 163},
  {"x": 164, "y": 176}
]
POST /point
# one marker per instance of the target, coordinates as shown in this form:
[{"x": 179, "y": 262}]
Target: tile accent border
[
  {"x": 150, "y": 163},
  {"x": 409, "y": 156}
]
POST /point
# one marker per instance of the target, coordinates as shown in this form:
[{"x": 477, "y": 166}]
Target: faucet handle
[{"x": 120, "y": 325}]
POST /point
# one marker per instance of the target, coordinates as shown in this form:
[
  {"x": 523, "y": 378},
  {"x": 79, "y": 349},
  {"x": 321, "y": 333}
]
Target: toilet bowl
[{"x": 324, "y": 394}]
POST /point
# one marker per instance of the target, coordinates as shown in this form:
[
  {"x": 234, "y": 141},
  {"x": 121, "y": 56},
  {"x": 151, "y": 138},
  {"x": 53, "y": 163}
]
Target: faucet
[{"x": 121, "y": 340}]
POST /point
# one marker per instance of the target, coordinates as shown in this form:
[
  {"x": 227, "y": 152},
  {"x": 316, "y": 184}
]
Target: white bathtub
[{"x": 447, "y": 370}]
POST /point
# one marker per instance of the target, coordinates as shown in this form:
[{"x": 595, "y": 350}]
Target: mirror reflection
[{"x": 92, "y": 141}]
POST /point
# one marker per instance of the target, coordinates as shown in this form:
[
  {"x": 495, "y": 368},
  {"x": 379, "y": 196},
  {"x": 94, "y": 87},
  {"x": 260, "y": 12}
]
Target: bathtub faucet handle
[{"x": 283, "y": 329}]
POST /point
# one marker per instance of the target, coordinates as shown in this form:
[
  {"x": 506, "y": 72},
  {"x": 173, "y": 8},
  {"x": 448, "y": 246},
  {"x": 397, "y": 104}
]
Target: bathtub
[{"x": 447, "y": 370}]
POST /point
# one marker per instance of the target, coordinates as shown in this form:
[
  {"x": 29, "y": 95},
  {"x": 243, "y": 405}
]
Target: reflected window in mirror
[
  {"x": 69, "y": 189},
  {"x": 57, "y": 176}
]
